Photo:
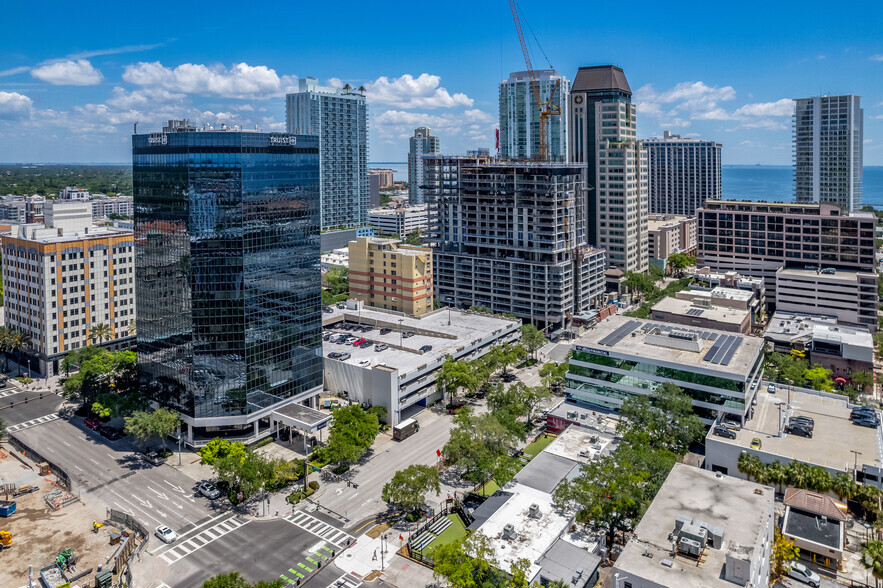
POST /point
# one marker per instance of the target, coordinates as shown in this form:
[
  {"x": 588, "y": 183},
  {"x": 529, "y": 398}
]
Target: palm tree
[
  {"x": 751, "y": 466},
  {"x": 132, "y": 327},
  {"x": 775, "y": 474},
  {"x": 844, "y": 486},
  {"x": 361, "y": 90},
  {"x": 798, "y": 474},
  {"x": 100, "y": 331},
  {"x": 347, "y": 87},
  {"x": 818, "y": 479},
  {"x": 4, "y": 346},
  {"x": 18, "y": 342},
  {"x": 872, "y": 558}
]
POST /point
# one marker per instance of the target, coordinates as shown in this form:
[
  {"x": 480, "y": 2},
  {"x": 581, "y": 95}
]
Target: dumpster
[{"x": 7, "y": 507}]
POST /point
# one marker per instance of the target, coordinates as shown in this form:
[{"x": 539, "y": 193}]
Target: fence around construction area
[{"x": 35, "y": 456}]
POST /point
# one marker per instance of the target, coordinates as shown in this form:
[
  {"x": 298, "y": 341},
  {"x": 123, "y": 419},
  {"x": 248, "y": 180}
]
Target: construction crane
[{"x": 546, "y": 107}]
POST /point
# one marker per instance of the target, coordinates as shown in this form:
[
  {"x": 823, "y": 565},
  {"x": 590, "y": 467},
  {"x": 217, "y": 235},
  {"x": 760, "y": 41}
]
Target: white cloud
[
  {"x": 144, "y": 98},
  {"x": 410, "y": 92},
  {"x": 69, "y": 73},
  {"x": 399, "y": 124},
  {"x": 240, "y": 81},
  {"x": 783, "y": 107},
  {"x": 877, "y": 57},
  {"x": 14, "y": 105},
  {"x": 334, "y": 82}
]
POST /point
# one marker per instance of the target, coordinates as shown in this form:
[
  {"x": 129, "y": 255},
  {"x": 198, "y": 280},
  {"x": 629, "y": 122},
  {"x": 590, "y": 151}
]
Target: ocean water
[
  {"x": 749, "y": 182},
  {"x": 776, "y": 183}
]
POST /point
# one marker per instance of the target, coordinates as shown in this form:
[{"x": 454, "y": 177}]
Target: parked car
[
  {"x": 367, "y": 343},
  {"x": 509, "y": 377},
  {"x": 344, "y": 356},
  {"x": 805, "y": 422},
  {"x": 771, "y": 388},
  {"x": 385, "y": 331},
  {"x": 863, "y": 411},
  {"x": 381, "y": 347},
  {"x": 867, "y": 422},
  {"x": 863, "y": 415},
  {"x": 110, "y": 432},
  {"x": 334, "y": 355},
  {"x": 341, "y": 305},
  {"x": 92, "y": 423},
  {"x": 756, "y": 444},
  {"x": 803, "y": 574},
  {"x": 165, "y": 534},
  {"x": 724, "y": 432},
  {"x": 795, "y": 429},
  {"x": 364, "y": 363},
  {"x": 327, "y": 309},
  {"x": 154, "y": 458},
  {"x": 209, "y": 490},
  {"x": 426, "y": 348},
  {"x": 358, "y": 342},
  {"x": 731, "y": 425},
  {"x": 407, "y": 334}
]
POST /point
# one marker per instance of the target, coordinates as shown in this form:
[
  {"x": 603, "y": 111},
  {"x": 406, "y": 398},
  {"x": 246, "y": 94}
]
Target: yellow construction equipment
[
  {"x": 5, "y": 539},
  {"x": 546, "y": 107}
]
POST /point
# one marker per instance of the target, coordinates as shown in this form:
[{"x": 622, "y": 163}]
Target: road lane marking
[
  {"x": 183, "y": 548},
  {"x": 320, "y": 529},
  {"x": 93, "y": 461},
  {"x": 66, "y": 443},
  {"x": 78, "y": 467}
]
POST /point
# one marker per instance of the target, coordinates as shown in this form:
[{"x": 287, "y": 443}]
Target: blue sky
[{"x": 74, "y": 77}]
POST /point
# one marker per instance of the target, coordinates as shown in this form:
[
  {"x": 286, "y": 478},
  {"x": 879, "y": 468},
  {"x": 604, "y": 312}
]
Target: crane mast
[{"x": 545, "y": 107}]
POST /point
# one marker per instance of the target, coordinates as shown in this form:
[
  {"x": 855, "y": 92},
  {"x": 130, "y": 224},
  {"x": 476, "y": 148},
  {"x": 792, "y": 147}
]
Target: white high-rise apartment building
[
  {"x": 339, "y": 118},
  {"x": 828, "y": 150},
  {"x": 682, "y": 173},
  {"x": 520, "y": 115},
  {"x": 64, "y": 277},
  {"x": 422, "y": 144},
  {"x": 603, "y": 135}
]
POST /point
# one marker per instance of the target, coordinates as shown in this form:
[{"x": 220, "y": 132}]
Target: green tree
[
  {"x": 234, "y": 580},
  {"x": 680, "y": 261},
  {"x": 872, "y": 558},
  {"x": 100, "y": 332},
  {"x": 477, "y": 444},
  {"x": 221, "y": 448},
  {"x": 19, "y": 342},
  {"x": 408, "y": 487},
  {"x": 665, "y": 419},
  {"x": 466, "y": 563},
  {"x": 868, "y": 496},
  {"x": 775, "y": 474},
  {"x": 606, "y": 492},
  {"x": 161, "y": 423},
  {"x": 248, "y": 474},
  {"x": 750, "y": 465},
  {"x": 352, "y": 433},
  {"x": 455, "y": 374},
  {"x": 818, "y": 479},
  {"x": 844, "y": 486},
  {"x": 532, "y": 338},
  {"x": 819, "y": 378},
  {"x": 508, "y": 354},
  {"x": 337, "y": 280},
  {"x": 783, "y": 554},
  {"x": 101, "y": 372},
  {"x": 413, "y": 238},
  {"x": 799, "y": 474},
  {"x": 862, "y": 379}
]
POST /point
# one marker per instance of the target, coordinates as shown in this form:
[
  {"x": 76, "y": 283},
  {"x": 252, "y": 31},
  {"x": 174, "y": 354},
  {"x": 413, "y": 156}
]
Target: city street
[
  {"x": 108, "y": 473},
  {"x": 20, "y": 407}
]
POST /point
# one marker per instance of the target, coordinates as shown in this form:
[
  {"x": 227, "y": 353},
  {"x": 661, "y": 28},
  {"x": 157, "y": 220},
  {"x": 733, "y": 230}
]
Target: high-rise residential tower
[
  {"x": 682, "y": 173},
  {"x": 828, "y": 149},
  {"x": 422, "y": 144},
  {"x": 339, "y": 117},
  {"x": 510, "y": 237},
  {"x": 603, "y": 136},
  {"x": 520, "y": 115},
  {"x": 227, "y": 272}
]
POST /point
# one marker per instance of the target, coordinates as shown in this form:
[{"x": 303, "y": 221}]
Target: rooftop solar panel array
[{"x": 617, "y": 335}]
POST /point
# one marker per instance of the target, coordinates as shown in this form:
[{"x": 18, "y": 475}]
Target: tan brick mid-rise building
[
  {"x": 63, "y": 278},
  {"x": 383, "y": 273}
]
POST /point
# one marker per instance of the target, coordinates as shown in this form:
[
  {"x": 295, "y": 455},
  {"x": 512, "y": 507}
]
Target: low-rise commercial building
[
  {"x": 837, "y": 445},
  {"x": 816, "y": 523},
  {"x": 64, "y": 278},
  {"x": 702, "y": 529},
  {"x": 399, "y": 221},
  {"x": 337, "y": 258},
  {"x": 623, "y": 357},
  {"x": 702, "y": 312},
  {"x": 705, "y": 279},
  {"x": 849, "y": 296},
  {"x": 403, "y": 373},
  {"x": 385, "y": 274}
]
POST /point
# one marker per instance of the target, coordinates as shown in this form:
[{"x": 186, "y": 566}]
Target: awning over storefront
[{"x": 303, "y": 418}]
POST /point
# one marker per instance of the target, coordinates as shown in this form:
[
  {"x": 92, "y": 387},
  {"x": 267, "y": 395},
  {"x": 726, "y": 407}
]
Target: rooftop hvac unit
[
  {"x": 694, "y": 532},
  {"x": 715, "y": 534},
  {"x": 689, "y": 546},
  {"x": 571, "y": 414},
  {"x": 509, "y": 531},
  {"x": 583, "y": 416},
  {"x": 680, "y": 521},
  {"x": 534, "y": 511}
]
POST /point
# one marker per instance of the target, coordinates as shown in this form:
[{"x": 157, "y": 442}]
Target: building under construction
[{"x": 511, "y": 237}]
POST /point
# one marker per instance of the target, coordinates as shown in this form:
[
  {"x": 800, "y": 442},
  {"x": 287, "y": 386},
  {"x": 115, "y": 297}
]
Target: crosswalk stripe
[
  {"x": 200, "y": 540},
  {"x": 318, "y": 528},
  {"x": 31, "y": 423}
]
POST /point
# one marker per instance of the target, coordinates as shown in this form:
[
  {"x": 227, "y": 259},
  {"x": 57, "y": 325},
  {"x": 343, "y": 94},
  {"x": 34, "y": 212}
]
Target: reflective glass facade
[{"x": 227, "y": 271}]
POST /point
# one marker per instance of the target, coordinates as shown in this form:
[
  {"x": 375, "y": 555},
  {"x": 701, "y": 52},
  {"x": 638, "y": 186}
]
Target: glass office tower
[{"x": 227, "y": 273}]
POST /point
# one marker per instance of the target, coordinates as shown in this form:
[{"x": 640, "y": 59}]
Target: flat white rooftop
[
  {"x": 578, "y": 445},
  {"x": 845, "y": 276},
  {"x": 739, "y": 507},
  {"x": 640, "y": 344},
  {"x": 720, "y": 314}
]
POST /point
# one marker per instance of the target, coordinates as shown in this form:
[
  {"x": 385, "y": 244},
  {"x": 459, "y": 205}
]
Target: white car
[
  {"x": 803, "y": 574},
  {"x": 365, "y": 363},
  {"x": 165, "y": 534}
]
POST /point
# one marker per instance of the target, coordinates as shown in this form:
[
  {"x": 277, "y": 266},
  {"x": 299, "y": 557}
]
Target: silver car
[
  {"x": 165, "y": 534},
  {"x": 803, "y": 574}
]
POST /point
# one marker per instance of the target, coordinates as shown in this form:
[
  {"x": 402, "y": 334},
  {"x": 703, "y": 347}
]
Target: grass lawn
[
  {"x": 489, "y": 488},
  {"x": 532, "y": 450},
  {"x": 456, "y": 531}
]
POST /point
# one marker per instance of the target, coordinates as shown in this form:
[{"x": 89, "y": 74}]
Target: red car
[
  {"x": 92, "y": 423},
  {"x": 358, "y": 342}
]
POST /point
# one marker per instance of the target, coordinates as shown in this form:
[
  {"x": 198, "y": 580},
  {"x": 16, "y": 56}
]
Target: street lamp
[
  {"x": 401, "y": 333},
  {"x": 382, "y": 550}
]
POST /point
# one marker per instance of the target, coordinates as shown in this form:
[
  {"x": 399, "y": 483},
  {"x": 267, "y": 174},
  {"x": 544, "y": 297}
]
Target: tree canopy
[
  {"x": 352, "y": 432},
  {"x": 221, "y": 448},
  {"x": 337, "y": 280},
  {"x": 101, "y": 372},
  {"x": 408, "y": 487},
  {"x": 532, "y": 338},
  {"x": 247, "y": 472},
  {"x": 470, "y": 563},
  {"x": 160, "y": 423},
  {"x": 663, "y": 420},
  {"x": 234, "y": 580},
  {"x": 477, "y": 444}
]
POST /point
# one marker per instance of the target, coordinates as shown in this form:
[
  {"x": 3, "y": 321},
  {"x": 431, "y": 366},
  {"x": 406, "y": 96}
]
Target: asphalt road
[
  {"x": 113, "y": 475},
  {"x": 18, "y": 406},
  {"x": 292, "y": 548}
]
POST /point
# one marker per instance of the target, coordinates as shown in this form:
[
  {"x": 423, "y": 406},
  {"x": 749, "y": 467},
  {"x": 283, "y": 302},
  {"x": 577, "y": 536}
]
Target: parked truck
[{"x": 405, "y": 429}]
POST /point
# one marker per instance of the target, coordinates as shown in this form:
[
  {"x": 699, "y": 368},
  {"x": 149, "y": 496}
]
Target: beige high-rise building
[
  {"x": 63, "y": 278},
  {"x": 383, "y": 273}
]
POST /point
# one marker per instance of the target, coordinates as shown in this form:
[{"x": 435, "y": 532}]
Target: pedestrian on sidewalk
[{"x": 375, "y": 556}]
